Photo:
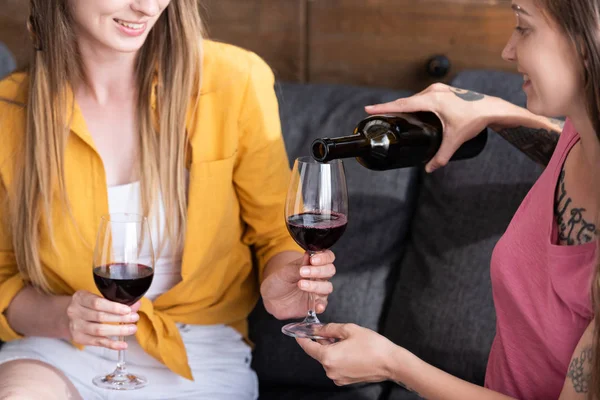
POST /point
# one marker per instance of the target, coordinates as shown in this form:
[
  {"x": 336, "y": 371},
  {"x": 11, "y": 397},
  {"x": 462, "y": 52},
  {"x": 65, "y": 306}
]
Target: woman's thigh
[
  {"x": 75, "y": 365},
  {"x": 220, "y": 362},
  {"x": 32, "y": 380}
]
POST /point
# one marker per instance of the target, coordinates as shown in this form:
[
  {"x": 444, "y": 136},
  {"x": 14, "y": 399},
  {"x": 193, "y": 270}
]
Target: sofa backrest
[{"x": 7, "y": 61}]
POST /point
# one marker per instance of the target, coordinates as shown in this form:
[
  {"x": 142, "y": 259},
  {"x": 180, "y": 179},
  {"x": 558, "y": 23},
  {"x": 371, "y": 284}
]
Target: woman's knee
[{"x": 33, "y": 380}]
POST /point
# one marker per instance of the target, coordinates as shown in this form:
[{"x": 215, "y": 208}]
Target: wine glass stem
[
  {"x": 311, "y": 317},
  {"x": 121, "y": 367}
]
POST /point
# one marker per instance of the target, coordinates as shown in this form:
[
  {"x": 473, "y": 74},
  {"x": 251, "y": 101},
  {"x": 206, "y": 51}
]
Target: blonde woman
[{"x": 126, "y": 108}]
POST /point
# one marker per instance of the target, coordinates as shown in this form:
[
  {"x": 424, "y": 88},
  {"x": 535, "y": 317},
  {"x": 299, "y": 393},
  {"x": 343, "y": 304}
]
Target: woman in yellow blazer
[{"x": 126, "y": 92}]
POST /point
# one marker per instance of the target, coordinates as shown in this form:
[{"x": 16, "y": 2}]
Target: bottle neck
[{"x": 325, "y": 149}]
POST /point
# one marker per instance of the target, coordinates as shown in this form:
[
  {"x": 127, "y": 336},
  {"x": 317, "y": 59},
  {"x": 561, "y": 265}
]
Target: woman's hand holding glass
[
  {"x": 286, "y": 292},
  {"x": 93, "y": 320}
]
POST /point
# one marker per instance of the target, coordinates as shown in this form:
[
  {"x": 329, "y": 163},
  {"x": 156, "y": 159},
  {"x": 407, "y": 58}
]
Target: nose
[
  {"x": 509, "y": 53},
  {"x": 150, "y": 8}
]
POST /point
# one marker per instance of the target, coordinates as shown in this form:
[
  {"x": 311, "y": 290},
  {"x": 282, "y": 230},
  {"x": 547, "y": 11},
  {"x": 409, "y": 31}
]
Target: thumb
[
  {"x": 443, "y": 155},
  {"x": 414, "y": 103},
  {"x": 290, "y": 272}
]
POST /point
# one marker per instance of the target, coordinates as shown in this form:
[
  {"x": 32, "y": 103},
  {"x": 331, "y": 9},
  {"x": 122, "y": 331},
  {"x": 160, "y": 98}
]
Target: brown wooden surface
[
  {"x": 388, "y": 42},
  {"x": 366, "y": 42},
  {"x": 13, "y": 15},
  {"x": 274, "y": 29}
]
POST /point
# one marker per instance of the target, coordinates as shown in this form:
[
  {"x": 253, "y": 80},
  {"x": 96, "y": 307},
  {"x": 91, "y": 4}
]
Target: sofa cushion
[
  {"x": 7, "y": 61},
  {"x": 442, "y": 308},
  {"x": 381, "y": 205},
  {"x": 399, "y": 393}
]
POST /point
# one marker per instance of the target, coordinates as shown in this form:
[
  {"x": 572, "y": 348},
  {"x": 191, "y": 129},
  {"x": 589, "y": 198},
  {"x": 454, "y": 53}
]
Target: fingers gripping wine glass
[
  {"x": 123, "y": 272},
  {"x": 316, "y": 216}
]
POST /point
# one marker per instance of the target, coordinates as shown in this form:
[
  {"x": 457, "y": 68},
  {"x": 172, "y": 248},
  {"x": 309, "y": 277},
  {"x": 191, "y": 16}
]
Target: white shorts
[{"x": 217, "y": 355}]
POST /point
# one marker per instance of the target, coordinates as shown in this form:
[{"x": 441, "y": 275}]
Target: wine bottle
[{"x": 399, "y": 140}]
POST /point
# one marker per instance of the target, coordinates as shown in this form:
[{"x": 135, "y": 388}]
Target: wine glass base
[
  {"x": 308, "y": 330},
  {"x": 120, "y": 382}
]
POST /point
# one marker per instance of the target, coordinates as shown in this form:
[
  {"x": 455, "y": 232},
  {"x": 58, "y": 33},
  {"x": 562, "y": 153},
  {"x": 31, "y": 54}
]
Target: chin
[
  {"x": 535, "y": 107},
  {"x": 132, "y": 47}
]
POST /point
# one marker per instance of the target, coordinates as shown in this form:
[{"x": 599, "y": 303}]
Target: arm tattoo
[
  {"x": 537, "y": 144},
  {"x": 573, "y": 229},
  {"x": 467, "y": 95},
  {"x": 578, "y": 373}
]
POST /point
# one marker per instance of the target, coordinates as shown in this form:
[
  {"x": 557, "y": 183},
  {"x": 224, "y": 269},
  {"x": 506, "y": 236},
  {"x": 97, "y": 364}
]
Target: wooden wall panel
[
  {"x": 388, "y": 42},
  {"x": 366, "y": 42},
  {"x": 13, "y": 15},
  {"x": 274, "y": 29}
]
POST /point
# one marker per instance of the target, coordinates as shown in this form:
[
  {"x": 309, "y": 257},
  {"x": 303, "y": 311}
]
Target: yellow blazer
[{"x": 239, "y": 175}]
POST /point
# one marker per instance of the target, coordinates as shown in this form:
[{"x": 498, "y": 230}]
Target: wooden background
[
  {"x": 383, "y": 43},
  {"x": 13, "y": 15}
]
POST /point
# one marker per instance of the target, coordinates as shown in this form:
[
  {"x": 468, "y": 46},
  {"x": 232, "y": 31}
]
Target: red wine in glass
[
  {"x": 123, "y": 269},
  {"x": 316, "y": 215},
  {"x": 317, "y": 231},
  {"x": 123, "y": 283}
]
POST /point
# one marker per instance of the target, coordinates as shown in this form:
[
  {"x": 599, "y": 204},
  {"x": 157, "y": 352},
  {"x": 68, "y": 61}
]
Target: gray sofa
[
  {"x": 414, "y": 261},
  {"x": 7, "y": 61}
]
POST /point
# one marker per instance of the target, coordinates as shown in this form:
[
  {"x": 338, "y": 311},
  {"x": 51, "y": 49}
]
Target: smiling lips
[{"x": 131, "y": 28}]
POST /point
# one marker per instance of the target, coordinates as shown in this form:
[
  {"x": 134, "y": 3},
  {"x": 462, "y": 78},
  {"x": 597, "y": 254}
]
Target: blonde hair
[{"x": 171, "y": 55}]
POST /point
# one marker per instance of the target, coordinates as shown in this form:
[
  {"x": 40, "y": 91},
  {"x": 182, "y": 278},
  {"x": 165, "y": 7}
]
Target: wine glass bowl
[
  {"x": 316, "y": 216},
  {"x": 317, "y": 230},
  {"x": 123, "y": 283}
]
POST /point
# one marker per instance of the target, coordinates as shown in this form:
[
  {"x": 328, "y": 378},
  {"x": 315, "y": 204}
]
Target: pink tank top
[{"x": 541, "y": 293}]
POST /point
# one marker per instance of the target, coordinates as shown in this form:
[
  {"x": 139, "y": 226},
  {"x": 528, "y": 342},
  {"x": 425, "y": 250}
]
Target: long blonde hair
[{"x": 171, "y": 55}]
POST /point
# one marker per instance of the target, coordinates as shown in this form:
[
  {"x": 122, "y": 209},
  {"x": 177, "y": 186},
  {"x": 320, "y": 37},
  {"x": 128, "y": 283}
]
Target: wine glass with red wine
[
  {"x": 316, "y": 215},
  {"x": 123, "y": 272}
]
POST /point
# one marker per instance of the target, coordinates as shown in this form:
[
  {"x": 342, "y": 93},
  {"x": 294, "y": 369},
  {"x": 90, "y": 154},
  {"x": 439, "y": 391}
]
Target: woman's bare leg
[{"x": 34, "y": 380}]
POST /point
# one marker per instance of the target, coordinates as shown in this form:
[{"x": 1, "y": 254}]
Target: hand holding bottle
[{"x": 463, "y": 114}]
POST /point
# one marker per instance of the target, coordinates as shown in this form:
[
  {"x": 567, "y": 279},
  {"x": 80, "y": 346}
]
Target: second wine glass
[{"x": 316, "y": 215}]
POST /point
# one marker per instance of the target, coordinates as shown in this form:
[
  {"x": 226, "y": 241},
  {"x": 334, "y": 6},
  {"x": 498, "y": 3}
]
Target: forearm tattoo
[
  {"x": 573, "y": 228},
  {"x": 579, "y": 371},
  {"x": 537, "y": 144},
  {"x": 467, "y": 95}
]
